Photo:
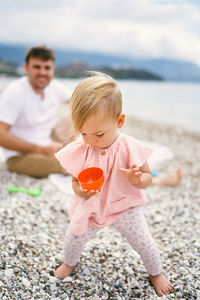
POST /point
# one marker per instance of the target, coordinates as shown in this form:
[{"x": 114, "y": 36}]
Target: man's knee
[
  {"x": 35, "y": 165},
  {"x": 64, "y": 132}
]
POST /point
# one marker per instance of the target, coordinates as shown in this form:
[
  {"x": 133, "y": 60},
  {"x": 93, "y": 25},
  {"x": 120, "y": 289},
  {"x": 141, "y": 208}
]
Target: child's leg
[
  {"x": 73, "y": 246},
  {"x": 169, "y": 179},
  {"x": 133, "y": 226}
]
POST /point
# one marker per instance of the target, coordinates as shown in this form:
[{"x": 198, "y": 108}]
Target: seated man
[{"x": 28, "y": 108}]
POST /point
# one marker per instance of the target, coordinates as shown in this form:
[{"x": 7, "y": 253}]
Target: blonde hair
[{"x": 99, "y": 92}]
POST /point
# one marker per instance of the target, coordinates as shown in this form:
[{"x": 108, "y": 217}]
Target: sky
[{"x": 133, "y": 28}]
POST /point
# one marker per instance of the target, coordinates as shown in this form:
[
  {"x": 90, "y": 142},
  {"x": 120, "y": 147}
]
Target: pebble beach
[{"x": 32, "y": 231}]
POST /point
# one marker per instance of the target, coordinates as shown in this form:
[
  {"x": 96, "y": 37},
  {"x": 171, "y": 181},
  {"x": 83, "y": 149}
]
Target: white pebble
[
  {"x": 4, "y": 254},
  {"x": 9, "y": 272},
  {"x": 106, "y": 287},
  {"x": 26, "y": 282},
  {"x": 197, "y": 244},
  {"x": 12, "y": 246},
  {"x": 53, "y": 287},
  {"x": 86, "y": 271},
  {"x": 68, "y": 279},
  {"x": 53, "y": 279},
  {"x": 129, "y": 270}
]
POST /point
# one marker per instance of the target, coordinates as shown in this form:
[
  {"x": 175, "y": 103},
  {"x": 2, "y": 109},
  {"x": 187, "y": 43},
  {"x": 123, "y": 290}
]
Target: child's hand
[
  {"x": 81, "y": 192},
  {"x": 134, "y": 174},
  {"x": 85, "y": 193}
]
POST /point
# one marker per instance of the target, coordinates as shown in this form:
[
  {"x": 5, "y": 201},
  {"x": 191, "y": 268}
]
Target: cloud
[{"x": 151, "y": 28}]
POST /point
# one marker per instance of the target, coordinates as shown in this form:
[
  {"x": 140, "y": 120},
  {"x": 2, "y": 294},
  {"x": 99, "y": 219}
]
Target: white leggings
[{"x": 133, "y": 226}]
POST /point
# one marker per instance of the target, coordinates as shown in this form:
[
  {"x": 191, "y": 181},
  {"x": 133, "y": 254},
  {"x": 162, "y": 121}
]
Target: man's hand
[{"x": 51, "y": 149}]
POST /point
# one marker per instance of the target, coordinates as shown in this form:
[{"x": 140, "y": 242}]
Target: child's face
[{"x": 101, "y": 133}]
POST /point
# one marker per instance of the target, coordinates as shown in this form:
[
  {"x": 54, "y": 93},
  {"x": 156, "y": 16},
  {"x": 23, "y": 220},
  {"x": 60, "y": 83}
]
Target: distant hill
[
  {"x": 7, "y": 68},
  {"x": 78, "y": 69},
  {"x": 174, "y": 70},
  {"x": 130, "y": 73}
]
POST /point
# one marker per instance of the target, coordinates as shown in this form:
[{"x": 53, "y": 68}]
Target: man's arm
[{"x": 11, "y": 142}]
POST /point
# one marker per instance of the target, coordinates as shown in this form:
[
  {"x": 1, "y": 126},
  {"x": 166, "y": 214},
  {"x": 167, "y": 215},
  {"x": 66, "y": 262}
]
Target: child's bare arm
[
  {"x": 140, "y": 177},
  {"x": 79, "y": 191}
]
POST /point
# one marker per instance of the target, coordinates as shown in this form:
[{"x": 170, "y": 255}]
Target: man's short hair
[{"x": 41, "y": 52}]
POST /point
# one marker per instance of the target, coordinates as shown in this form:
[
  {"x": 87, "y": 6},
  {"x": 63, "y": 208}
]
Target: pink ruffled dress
[{"x": 117, "y": 194}]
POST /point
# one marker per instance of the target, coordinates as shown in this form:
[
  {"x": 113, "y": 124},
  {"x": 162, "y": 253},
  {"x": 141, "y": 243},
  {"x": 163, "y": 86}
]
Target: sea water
[{"x": 172, "y": 103}]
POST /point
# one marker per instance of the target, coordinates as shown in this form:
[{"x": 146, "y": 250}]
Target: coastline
[{"x": 32, "y": 233}]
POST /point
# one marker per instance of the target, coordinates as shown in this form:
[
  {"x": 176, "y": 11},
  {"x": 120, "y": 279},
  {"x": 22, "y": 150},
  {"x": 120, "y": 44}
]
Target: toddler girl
[{"x": 96, "y": 109}]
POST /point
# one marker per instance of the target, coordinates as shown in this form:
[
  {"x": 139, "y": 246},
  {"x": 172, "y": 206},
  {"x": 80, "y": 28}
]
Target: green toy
[{"x": 32, "y": 191}]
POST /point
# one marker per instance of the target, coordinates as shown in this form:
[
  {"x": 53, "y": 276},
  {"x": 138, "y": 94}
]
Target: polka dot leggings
[{"x": 133, "y": 226}]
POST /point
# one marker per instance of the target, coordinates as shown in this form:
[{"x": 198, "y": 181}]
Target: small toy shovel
[{"x": 32, "y": 191}]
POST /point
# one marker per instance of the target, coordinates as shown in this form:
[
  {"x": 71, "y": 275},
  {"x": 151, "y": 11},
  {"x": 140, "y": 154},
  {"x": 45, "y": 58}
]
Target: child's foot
[
  {"x": 161, "y": 284},
  {"x": 171, "y": 179},
  {"x": 64, "y": 271}
]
